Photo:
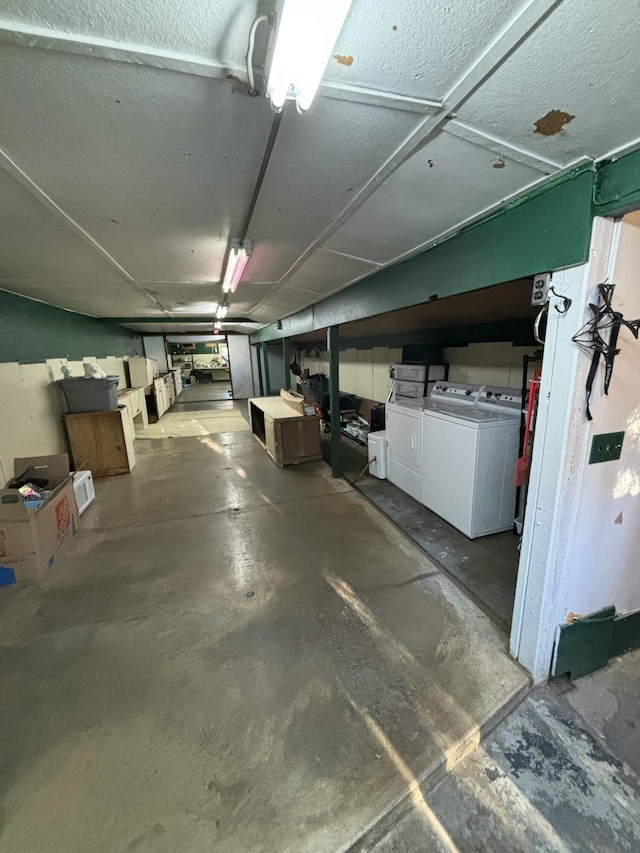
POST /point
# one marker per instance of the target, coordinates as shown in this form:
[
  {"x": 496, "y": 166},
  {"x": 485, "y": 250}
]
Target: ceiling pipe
[{"x": 273, "y": 135}]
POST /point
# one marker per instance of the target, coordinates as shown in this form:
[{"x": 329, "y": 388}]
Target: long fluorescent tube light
[
  {"x": 222, "y": 312},
  {"x": 238, "y": 257},
  {"x": 307, "y": 31}
]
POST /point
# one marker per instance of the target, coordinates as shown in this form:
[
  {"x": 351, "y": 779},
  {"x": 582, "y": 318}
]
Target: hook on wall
[{"x": 565, "y": 299}]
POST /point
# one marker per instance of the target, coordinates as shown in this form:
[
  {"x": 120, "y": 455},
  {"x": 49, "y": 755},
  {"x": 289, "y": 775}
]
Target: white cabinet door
[
  {"x": 404, "y": 435},
  {"x": 448, "y": 471}
]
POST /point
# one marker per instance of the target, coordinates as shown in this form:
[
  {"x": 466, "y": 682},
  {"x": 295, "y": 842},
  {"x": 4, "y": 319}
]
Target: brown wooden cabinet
[{"x": 102, "y": 442}]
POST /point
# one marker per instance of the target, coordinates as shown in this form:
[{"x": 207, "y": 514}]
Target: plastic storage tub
[{"x": 91, "y": 395}]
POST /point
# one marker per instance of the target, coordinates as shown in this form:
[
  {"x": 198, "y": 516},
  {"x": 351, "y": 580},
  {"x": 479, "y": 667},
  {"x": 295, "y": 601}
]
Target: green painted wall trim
[
  {"x": 617, "y": 188},
  {"x": 32, "y": 331},
  {"x": 546, "y": 229},
  {"x": 589, "y": 644}
]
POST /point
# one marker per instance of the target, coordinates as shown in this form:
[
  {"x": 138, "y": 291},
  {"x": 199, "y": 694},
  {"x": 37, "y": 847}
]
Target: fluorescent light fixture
[
  {"x": 238, "y": 257},
  {"x": 307, "y": 31},
  {"x": 217, "y": 325},
  {"x": 222, "y": 312}
]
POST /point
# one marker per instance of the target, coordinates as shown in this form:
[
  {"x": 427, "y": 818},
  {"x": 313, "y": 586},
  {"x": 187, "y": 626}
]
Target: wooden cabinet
[
  {"x": 102, "y": 442},
  {"x": 287, "y": 436}
]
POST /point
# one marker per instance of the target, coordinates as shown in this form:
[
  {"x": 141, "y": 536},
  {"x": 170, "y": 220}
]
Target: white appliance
[
  {"x": 377, "y": 442},
  {"x": 83, "y": 489},
  {"x": 471, "y": 437},
  {"x": 403, "y": 421}
]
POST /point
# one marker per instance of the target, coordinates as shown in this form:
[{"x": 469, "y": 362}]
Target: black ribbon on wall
[{"x": 599, "y": 338}]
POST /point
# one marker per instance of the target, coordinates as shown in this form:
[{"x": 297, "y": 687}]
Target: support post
[
  {"x": 259, "y": 360},
  {"x": 333, "y": 345},
  {"x": 267, "y": 380},
  {"x": 286, "y": 357}
]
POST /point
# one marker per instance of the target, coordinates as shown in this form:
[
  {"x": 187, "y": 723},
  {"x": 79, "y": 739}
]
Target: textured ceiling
[{"x": 130, "y": 148}]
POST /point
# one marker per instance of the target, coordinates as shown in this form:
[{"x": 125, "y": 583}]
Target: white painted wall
[
  {"x": 32, "y": 408},
  {"x": 603, "y": 559},
  {"x": 574, "y": 556},
  {"x": 363, "y": 372},
  {"x": 495, "y": 363}
]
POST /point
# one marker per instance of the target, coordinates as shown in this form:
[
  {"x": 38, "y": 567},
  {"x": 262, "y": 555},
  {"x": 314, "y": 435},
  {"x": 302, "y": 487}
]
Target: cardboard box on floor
[{"x": 29, "y": 543}]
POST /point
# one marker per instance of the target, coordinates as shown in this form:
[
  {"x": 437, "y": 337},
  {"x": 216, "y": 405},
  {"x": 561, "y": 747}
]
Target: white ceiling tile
[
  {"x": 319, "y": 163},
  {"x": 415, "y": 48},
  {"x": 34, "y": 244},
  {"x": 100, "y": 299},
  {"x": 440, "y": 186},
  {"x": 326, "y": 271},
  {"x": 583, "y": 60},
  {"x": 288, "y": 299},
  {"x": 211, "y": 28},
  {"x": 156, "y": 166}
]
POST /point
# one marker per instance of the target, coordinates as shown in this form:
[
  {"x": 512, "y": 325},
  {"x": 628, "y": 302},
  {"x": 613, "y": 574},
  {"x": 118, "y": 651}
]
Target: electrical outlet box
[
  {"x": 606, "y": 447},
  {"x": 540, "y": 292}
]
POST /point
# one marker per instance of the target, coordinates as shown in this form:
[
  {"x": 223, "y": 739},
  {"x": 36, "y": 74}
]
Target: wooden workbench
[{"x": 288, "y": 436}]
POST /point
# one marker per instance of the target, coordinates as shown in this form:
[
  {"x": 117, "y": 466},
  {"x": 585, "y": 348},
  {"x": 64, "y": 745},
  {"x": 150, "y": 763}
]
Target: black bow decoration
[{"x": 599, "y": 337}]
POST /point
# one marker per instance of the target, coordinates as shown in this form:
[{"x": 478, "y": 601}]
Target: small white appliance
[
  {"x": 83, "y": 489},
  {"x": 377, "y": 443},
  {"x": 470, "y": 443}
]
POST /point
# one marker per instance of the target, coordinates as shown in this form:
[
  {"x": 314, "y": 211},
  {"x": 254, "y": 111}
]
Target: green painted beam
[
  {"x": 333, "y": 341},
  {"x": 618, "y": 186},
  {"x": 546, "y": 229}
]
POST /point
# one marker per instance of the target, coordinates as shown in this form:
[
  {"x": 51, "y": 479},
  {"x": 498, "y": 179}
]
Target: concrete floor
[
  {"x": 234, "y": 657},
  {"x": 203, "y": 392},
  {"x": 487, "y": 568},
  {"x": 560, "y": 773}
]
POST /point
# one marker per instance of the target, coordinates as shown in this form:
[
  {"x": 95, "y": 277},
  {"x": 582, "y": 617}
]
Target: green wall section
[
  {"x": 548, "y": 229},
  {"x": 32, "y": 331}
]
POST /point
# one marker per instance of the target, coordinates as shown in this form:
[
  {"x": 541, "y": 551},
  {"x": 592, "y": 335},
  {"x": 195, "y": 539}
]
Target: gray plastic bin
[{"x": 91, "y": 395}]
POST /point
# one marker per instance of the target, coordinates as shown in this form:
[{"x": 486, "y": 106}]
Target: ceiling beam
[
  {"x": 44, "y": 38},
  {"x": 505, "y": 42}
]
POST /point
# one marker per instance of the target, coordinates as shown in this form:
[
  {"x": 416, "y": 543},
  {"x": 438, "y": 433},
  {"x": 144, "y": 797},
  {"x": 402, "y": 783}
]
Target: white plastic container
[
  {"x": 83, "y": 489},
  {"x": 377, "y": 445}
]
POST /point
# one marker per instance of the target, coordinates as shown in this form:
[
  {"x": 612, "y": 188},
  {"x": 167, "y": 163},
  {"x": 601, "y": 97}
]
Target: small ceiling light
[
  {"x": 306, "y": 32},
  {"x": 217, "y": 325},
  {"x": 222, "y": 312},
  {"x": 238, "y": 257}
]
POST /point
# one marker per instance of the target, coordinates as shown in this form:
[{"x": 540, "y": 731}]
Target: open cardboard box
[
  {"x": 29, "y": 543},
  {"x": 298, "y": 402}
]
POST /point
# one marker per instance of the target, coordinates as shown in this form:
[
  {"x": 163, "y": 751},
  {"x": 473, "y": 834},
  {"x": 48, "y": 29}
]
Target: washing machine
[{"x": 470, "y": 444}]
